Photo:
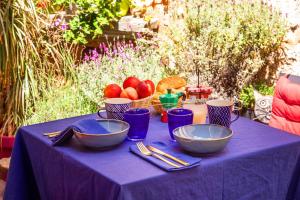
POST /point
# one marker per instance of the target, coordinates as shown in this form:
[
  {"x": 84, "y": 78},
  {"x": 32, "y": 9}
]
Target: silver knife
[{"x": 153, "y": 149}]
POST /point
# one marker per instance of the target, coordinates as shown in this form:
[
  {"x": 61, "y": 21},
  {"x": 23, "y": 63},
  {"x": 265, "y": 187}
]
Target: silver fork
[
  {"x": 52, "y": 134},
  {"x": 143, "y": 149}
]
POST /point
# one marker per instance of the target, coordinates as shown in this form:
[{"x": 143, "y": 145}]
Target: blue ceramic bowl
[
  {"x": 117, "y": 133},
  {"x": 202, "y": 138}
]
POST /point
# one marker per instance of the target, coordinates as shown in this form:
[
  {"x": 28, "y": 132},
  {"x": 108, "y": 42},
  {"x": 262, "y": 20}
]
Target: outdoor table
[{"x": 259, "y": 162}]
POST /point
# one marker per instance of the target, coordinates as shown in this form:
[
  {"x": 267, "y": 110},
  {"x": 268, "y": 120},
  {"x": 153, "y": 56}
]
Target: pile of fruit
[{"x": 133, "y": 89}]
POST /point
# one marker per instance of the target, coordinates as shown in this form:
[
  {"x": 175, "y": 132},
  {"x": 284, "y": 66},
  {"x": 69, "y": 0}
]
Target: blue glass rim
[
  {"x": 181, "y": 112},
  {"x": 137, "y": 111}
]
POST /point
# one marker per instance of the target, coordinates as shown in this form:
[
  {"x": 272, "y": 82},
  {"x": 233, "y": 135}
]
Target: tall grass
[{"x": 32, "y": 57}]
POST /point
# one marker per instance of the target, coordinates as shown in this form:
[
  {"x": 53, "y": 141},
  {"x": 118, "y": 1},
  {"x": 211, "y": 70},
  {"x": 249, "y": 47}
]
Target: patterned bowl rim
[
  {"x": 105, "y": 134},
  {"x": 203, "y": 139},
  {"x": 109, "y": 101},
  {"x": 228, "y": 102}
]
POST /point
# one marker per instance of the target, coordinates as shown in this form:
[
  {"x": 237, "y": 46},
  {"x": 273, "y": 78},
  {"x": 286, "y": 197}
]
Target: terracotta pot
[{"x": 6, "y": 146}]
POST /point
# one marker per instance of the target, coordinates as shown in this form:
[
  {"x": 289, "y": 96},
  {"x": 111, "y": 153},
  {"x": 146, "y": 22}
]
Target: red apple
[
  {"x": 112, "y": 91},
  {"x": 131, "y": 82},
  {"x": 144, "y": 90},
  {"x": 149, "y": 82},
  {"x": 129, "y": 93}
]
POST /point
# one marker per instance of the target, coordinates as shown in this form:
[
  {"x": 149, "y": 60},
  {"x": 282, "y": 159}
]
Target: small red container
[
  {"x": 199, "y": 92},
  {"x": 6, "y": 146},
  {"x": 164, "y": 117}
]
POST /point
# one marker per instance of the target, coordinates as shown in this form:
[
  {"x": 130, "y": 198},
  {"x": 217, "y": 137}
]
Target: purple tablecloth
[{"x": 259, "y": 163}]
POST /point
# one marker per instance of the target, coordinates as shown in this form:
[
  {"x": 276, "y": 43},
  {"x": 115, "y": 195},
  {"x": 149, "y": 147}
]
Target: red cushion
[{"x": 286, "y": 106}]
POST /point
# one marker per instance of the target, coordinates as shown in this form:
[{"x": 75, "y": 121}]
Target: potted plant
[
  {"x": 6, "y": 137},
  {"x": 250, "y": 97},
  {"x": 247, "y": 99},
  {"x": 7, "y": 143}
]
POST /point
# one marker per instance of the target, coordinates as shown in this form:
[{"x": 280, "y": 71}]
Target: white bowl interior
[
  {"x": 113, "y": 125},
  {"x": 203, "y": 132}
]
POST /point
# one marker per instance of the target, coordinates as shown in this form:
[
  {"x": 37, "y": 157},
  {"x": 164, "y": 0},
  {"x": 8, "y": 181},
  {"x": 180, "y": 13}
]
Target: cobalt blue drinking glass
[
  {"x": 138, "y": 119},
  {"x": 179, "y": 117}
]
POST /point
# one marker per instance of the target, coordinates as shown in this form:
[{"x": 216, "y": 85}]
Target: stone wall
[{"x": 150, "y": 15}]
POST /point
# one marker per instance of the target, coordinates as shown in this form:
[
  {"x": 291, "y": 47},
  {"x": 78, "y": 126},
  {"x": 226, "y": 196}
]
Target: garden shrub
[
  {"x": 90, "y": 18},
  {"x": 113, "y": 64},
  {"x": 231, "y": 43},
  {"x": 58, "y": 103},
  {"x": 247, "y": 94}
]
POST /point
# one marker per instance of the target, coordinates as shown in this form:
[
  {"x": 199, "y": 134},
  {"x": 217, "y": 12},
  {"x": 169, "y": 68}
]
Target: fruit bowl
[{"x": 142, "y": 103}]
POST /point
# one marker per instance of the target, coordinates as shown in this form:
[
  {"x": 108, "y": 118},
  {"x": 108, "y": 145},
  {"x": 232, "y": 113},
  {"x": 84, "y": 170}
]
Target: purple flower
[
  {"x": 101, "y": 46},
  {"x": 123, "y": 55},
  {"x": 115, "y": 51},
  {"x": 57, "y": 22},
  {"x": 93, "y": 58},
  {"x": 106, "y": 50},
  {"x": 138, "y": 35},
  {"x": 86, "y": 57},
  {"x": 64, "y": 27},
  {"x": 118, "y": 43},
  {"x": 130, "y": 44},
  {"x": 95, "y": 54}
]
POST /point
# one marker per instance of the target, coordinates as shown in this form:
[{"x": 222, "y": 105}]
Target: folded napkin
[
  {"x": 173, "y": 150},
  {"x": 90, "y": 126}
]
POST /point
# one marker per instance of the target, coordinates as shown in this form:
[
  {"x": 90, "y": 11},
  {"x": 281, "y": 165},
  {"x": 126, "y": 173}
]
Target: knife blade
[{"x": 158, "y": 151}]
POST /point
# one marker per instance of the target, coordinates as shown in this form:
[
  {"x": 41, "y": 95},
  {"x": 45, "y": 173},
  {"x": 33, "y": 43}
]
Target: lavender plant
[{"x": 113, "y": 63}]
